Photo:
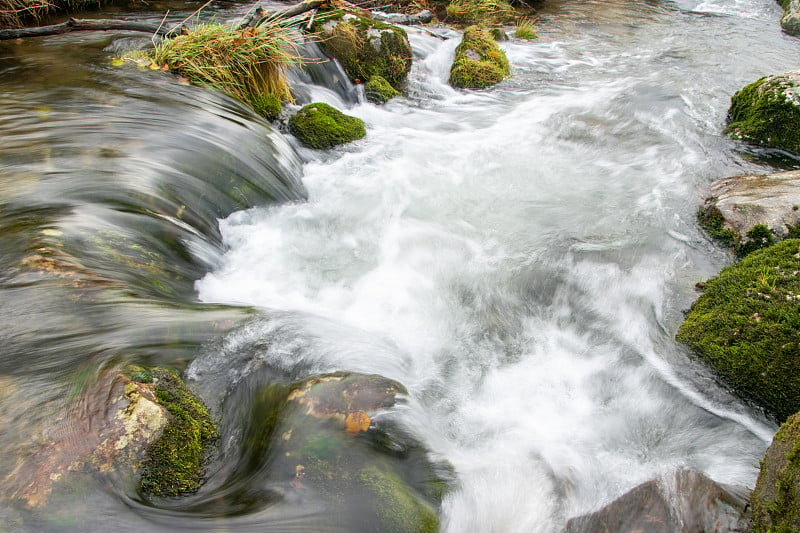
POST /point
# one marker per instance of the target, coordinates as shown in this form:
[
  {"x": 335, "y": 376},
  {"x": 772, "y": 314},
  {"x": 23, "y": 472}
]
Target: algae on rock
[
  {"x": 767, "y": 112},
  {"x": 776, "y": 498},
  {"x": 367, "y": 48},
  {"x": 745, "y": 325},
  {"x": 321, "y": 126},
  {"x": 479, "y": 61}
]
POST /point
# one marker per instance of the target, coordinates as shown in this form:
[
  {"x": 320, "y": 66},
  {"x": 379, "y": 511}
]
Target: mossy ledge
[
  {"x": 367, "y": 48},
  {"x": 776, "y": 498},
  {"x": 711, "y": 219},
  {"x": 479, "y": 61},
  {"x": 174, "y": 463},
  {"x": 379, "y": 91},
  {"x": 321, "y": 126},
  {"x": 745, "y": 326},
  {"x": 767, "y": 112}
]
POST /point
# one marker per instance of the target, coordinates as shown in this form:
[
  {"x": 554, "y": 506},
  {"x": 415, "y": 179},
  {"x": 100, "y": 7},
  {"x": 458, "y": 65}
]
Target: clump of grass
[
  {"x": 13, "y": 13},
  {"x": 248, "y": 65},
  {"x": 481, "y": 11},
  {"x": 525, "y": 29}
]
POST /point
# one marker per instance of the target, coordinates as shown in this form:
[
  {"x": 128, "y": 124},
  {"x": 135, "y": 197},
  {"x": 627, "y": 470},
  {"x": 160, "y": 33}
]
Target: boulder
[
  {"x": 321, "y": 126},
  {"x": 378, "y": 90},
  {"x": 333, "y": 442},
  {"x": 790, "y": 21},
  {"x": 776, "y": 498},
  {"x": 767, "y": 112},
  {"x": 748, "y": 212},
  {"x": 423, "y": 17},
  {"x": 124, "y": 424},
  {"x": 367, "y": 47},
  {"x": 686, "y": 502},
  {"x": 745, "y": 326},
  {"x": 479, "y": 61}
]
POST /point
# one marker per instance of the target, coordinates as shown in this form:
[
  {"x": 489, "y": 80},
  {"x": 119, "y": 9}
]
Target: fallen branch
[
  {"x": 289, "y": 12},
  {"x": 86, "y": 25}
]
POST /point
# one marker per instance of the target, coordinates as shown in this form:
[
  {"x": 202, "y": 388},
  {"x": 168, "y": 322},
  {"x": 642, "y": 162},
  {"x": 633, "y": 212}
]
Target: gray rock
[
  {"x": 423, "y": 17},
  {"x": 790, "y": 21},
  {"x": 745, "y": 201},
  {"x": 686, "y": 501}
]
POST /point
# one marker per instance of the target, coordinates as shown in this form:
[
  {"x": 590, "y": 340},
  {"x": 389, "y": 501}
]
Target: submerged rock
[
  {"x": 749, "y": 212},
  {"x": 767, "y": 112},
  {"x": 332, "y": 439},
  {"x": 479, "y": 61},
  {"x": 321, "y": 126},
  {"x": 686, "y": 502},
  {"x": 124, "y": 424},
  {"x": 776, "y": 498},
  {"x": 367, "y": 48},
  {"x": 745, "y": 326}
]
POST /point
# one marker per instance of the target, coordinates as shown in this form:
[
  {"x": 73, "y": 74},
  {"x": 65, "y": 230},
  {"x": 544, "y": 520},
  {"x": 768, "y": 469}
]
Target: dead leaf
[{"x": 356, "y": 422}]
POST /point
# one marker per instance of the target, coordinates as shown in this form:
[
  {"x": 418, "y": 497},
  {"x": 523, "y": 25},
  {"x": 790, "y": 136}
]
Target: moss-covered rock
[
  {"x": 745, "y": 325},
  {"x": 379, "y": 91},
  {"x": 767, "y": 112},
  {"x": 776, "y": 498},
  {"x": 321, "y": 126},
  {"x": 790, "y": 21},
  {"x": 174, "y": 463},
  {"x": 479, "y": 61},
  {"x": 481, "y": 11},
  {"x": 367, "y": 48}
]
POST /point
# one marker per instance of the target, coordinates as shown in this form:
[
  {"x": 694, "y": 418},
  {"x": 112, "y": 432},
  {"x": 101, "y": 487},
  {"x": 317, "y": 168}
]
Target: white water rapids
[{"x": 520, "y": 257}]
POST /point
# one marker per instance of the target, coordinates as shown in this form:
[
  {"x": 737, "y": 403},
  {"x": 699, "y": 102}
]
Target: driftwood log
[{"x": 74, "y": 24}]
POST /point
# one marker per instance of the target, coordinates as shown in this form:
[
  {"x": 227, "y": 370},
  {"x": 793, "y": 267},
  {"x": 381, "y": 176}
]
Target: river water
[{"x": 519, "y": 258}]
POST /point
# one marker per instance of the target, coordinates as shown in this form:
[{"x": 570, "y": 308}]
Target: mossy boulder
[
  {"x": 745, "y": 325},
  {"x": 367, "y": 48},
  {"x": 790, "y": 21},
  {"x": 174, "y": 463},
  {"x": 750, "y": 212},
  {"x": 321, "y": 126},
  {"x": 776, "y": 498},
  {"x": 479, "y": 61},
  {"x": 379, "y": 91},
  {"x": 333, "y": 439},
  {"x": 767, "y": 112}
]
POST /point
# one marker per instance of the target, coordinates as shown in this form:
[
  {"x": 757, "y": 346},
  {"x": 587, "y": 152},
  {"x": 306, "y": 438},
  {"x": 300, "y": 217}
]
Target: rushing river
[{"x": 519, "y": 258}]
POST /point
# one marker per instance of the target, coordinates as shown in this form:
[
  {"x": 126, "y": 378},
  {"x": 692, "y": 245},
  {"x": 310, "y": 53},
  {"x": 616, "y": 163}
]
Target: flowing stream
[{"x": 519, "y": 258}]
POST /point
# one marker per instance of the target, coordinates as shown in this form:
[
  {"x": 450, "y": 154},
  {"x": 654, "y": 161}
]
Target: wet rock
[
  {"x": 116, "y": 429},
  {"x": 790, "y": 21},
  {"x": 378, "y": 90},
  {"x": 739, "y": 209},
  {"x": 367, "y": 48},
  {"x": 776, "y": 498},
  {"x": 319, "y": 125},
  {"x": 335, "y": 441},
  {"x": 686, "y": 501},
  {"x": 423, "y": 17},
  {"x": 479, "y": 61},
  {"x": 767, "y": 112}
]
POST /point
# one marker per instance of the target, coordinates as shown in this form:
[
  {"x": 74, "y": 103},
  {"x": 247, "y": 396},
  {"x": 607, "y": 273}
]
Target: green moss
[
  {"x": 766, "y": 113},
  {"x": 711, "y": 220},
  {"x": 745, "y": 325},
  {"x": 367, "y": 48},
  {"x": 481, "y": 11},
  {"x": 777, "y": 494},
  {"x": 379, "y": 91},
  {"x": 398, "y": 509},
  {"x": 174, "y": 463},
  {"x": 321, "y": 126},
  {"x": 479, "y": 62}
]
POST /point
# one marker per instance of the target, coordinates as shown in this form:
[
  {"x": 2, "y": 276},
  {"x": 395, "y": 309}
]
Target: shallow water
[{"x": 519, "y": 258}]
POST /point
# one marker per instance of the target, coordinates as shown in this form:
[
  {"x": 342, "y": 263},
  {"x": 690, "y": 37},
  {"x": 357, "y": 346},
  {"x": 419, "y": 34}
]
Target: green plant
[
  {"x": 525, "y": 29},
  {"x": 481, "y": 11},
  {"x": 479, "y": 62},
  {"x": 248, "y": 65}
]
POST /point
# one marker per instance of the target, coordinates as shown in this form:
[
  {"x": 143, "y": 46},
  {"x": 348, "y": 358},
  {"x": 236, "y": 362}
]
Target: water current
[{"x": 519, "y": 258}]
